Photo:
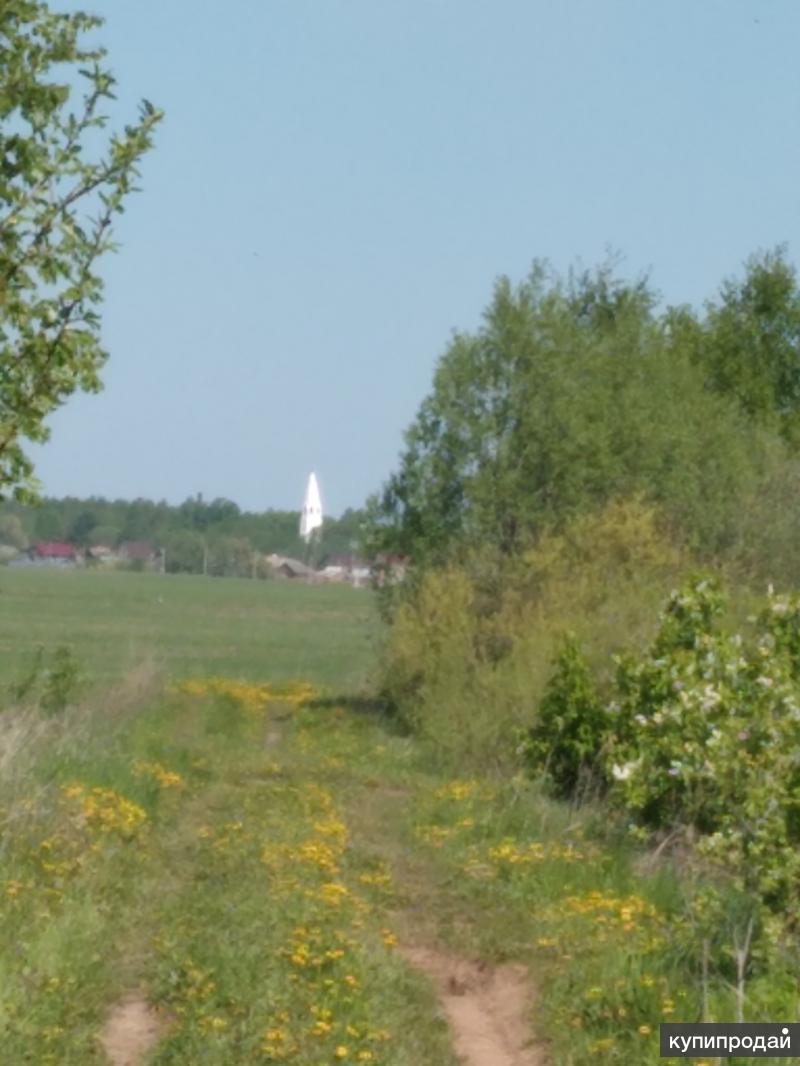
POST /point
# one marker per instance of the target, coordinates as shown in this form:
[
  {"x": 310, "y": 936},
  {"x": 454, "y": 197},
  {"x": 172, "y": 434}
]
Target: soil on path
[
  {"x": 132, "y": 1028},
  {"x": 485, "y": 1006}
]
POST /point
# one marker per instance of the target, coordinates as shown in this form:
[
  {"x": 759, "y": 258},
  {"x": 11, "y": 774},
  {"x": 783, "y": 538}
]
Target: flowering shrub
[{"x": 706, "y": 736}]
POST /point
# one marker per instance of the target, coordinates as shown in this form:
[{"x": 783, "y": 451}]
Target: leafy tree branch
[{"x": 59, "y": 196}]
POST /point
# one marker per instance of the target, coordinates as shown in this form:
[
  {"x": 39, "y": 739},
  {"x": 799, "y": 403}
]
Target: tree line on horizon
[{"x": 186, "y": 531}]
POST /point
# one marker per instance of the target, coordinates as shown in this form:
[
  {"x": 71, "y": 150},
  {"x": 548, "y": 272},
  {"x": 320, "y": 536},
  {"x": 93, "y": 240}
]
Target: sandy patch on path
[
  {"x": 487, "y": 1008},
  {"x": 132, "y": 1028}
]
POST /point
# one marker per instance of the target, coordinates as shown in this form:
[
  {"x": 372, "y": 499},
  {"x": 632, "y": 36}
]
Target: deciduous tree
[
  {"x": 61, "y": 185},
  {"x": 749, "y": 346},
  {"x": 571, "y": 393}
]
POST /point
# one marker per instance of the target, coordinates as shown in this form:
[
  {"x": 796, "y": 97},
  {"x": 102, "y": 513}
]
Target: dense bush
[
  {"x": 567, "y": 740},
  {"x": 469, "y": 651}
]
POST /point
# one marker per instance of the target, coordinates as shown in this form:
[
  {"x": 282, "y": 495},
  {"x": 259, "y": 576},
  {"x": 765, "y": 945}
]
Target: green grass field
[
  {"x": 264, "y": 879},
  {"x": 188, "y": 626}
]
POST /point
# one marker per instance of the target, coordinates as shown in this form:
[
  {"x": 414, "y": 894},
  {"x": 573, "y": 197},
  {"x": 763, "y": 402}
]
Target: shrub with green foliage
[
  {"x": 62, "y": 681},
  {"x": 571, "y": 727},
  {"x": 53, "y": 682}
]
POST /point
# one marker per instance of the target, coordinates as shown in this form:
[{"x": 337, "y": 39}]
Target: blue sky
[{"x": 338, "y": 183}]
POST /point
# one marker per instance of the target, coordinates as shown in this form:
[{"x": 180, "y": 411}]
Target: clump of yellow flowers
[
  {"x": 160, "y": 774},
  {"x": 103, "y": 810},
  {"x": 251, "y": 695}
]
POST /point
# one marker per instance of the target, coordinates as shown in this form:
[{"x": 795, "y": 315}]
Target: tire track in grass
[
  {"x": 487, "y": 1007},
  {"x": 269, "y": 946}
]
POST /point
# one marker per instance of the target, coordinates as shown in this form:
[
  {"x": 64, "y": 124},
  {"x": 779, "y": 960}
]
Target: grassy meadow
[
  {"x": 255, "y": 867},
  {"x": 187, "y": 625}
]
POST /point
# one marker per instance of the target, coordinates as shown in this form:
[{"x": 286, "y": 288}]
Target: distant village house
[
  {"x": 53, "y": 553},
  {"x": 138, "y": 551},
  {"x": 283, "y": 566}
]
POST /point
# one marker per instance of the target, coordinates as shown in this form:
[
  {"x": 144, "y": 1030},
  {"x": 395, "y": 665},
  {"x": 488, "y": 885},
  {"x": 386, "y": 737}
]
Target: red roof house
[{"x": 53, "y": 549}]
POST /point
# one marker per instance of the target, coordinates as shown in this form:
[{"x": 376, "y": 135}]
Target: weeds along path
[{"x": 243, "y": 879}]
